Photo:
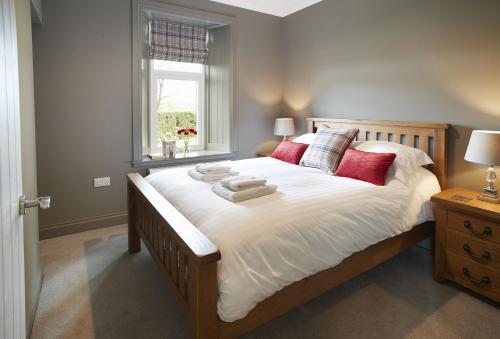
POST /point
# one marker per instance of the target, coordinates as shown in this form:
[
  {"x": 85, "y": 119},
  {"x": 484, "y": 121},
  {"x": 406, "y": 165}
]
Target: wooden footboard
[{"x": 185, "y": 257}]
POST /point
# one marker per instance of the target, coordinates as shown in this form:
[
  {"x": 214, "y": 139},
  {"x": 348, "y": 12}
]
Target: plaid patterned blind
[{"x": 178, "y": 42}]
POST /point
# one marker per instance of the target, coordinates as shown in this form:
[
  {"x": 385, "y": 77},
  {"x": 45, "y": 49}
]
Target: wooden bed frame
[{"x": 188, "y": 260}]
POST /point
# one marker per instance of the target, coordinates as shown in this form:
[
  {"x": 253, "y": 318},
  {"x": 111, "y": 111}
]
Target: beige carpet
[{"x": 94, "y": 289}]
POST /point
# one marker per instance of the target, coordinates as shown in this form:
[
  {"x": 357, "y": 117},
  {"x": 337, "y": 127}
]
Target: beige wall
[
  {"x": 83, "y": 86},
  {"x": 33, "y": 267},
  {"x": 416, "y": 60}
]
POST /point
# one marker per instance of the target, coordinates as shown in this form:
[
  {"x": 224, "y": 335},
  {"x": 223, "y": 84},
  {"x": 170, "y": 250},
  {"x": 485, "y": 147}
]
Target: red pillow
[
  {"x": 365, "y": 166},
  {"x": 289, "y": 151}
]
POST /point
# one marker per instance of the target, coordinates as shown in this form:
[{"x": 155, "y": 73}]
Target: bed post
[
  {"x": 440, "y": 155},
  {"x": 205, "y": 319},
  {"x": 134, "y": 241}
]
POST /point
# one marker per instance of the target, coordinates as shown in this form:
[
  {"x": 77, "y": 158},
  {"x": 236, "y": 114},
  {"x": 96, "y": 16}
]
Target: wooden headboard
[{"x": 432, "y": 138}]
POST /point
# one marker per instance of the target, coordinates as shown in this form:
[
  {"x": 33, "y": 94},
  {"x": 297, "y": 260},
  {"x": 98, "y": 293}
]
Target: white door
[{"x": 12, "y": 307}]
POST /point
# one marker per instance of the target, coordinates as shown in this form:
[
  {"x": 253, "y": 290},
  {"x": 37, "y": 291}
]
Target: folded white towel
[
  {"x": 227, "y": 180},
  {"x": 247, "y": 194},
  {"x": 209, "y": 177},
  {"x": 212, "y": 168},
  {"x": 243, "y": 183}
]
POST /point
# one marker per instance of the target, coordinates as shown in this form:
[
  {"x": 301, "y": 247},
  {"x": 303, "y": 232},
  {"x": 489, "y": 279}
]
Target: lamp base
[
  {"x": 490, "y": 194},
  {"x": 485, "y": 196}
]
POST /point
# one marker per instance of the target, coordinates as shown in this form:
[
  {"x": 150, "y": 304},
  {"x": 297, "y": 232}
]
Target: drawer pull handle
[
  {"x": 486, "y": 232},
  {"x": 483, "y": 282},
  {"x": 483, "y": 258}
]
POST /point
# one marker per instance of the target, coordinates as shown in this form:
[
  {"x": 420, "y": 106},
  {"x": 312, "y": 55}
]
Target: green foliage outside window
[{"x": 170, "y": 122}]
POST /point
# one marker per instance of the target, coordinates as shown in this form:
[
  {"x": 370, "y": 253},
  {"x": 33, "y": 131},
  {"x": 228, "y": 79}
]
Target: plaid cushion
[{"x": 327, "y": 149}]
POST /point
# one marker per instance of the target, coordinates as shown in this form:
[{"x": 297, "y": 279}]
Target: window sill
[{"x": 191, "y": 157}]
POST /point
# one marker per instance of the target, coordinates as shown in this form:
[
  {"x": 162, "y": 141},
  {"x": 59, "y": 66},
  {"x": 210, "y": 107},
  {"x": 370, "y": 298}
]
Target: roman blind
[{"x": 178, "y": 42}]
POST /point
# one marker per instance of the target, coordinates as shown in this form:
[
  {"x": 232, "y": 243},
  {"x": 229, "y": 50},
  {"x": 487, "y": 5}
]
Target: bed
[{"x": 229, "y": 280}]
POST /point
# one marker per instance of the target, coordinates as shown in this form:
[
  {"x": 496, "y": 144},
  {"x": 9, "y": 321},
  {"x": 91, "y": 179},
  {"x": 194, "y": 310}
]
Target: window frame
[
  {"x": 141, "y": 14},
  {"x": 199, "y": 77}
]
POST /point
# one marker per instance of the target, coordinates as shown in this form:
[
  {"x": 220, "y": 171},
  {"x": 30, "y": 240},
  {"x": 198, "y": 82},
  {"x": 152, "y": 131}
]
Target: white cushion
[
  {"x": 355, "y": 143},
  {"x": 307, "y": 138},
  {"x": 408, "y": 159}
]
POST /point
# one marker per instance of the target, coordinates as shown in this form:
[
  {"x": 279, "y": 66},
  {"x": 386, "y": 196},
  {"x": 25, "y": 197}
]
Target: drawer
[
  {"x": 469, "y": 247},
  {"x": 474, "y": 276},
  {"x": 477, "y": 227}
]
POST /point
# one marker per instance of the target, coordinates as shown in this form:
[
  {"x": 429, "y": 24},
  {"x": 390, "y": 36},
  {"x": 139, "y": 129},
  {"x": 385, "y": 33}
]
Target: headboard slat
[
  {"x": 433, "y": 135},
  {"x": 424, "y": 144},
  {"x": 410, "y": 140},
  {"x": 361, "y": 136}
]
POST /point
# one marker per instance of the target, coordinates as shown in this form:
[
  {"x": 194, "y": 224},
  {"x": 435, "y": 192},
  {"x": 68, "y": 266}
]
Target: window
[
  {"x": 182, "y": 70},
  {"x": 176, "y": 101}
]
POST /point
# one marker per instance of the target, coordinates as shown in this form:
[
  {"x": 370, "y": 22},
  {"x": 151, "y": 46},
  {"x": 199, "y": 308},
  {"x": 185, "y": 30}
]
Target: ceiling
[{"x": 280, "y": 8}]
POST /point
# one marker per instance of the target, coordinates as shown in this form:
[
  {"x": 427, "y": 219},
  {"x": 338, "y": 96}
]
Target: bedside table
[
  {"x": 264, "y": 154},
  {"x": 467, "y": 249}
]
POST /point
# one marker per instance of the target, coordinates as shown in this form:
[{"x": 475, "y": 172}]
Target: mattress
[{"x": 310, "y": 224}]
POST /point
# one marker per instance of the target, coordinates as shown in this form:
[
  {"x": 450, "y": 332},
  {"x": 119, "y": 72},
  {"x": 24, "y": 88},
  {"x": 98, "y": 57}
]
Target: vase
[{"x": 186, "y": 147}]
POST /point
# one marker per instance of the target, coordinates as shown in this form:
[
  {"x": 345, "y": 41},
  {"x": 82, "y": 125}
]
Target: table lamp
[
  {"x": 284, "y": 127},
  {"x": 484, "y": 148}
]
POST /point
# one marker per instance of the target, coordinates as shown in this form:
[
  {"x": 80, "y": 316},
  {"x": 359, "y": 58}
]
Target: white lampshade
[
  {"x": 484, "y": 148},
  {"x": 284, "y": 126}
]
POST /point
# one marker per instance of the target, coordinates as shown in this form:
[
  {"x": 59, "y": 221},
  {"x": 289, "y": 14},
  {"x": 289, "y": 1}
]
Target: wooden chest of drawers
[{"x": 467, "y": 248}]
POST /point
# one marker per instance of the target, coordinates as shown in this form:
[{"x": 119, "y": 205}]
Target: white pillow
[
  {"x": 307, "y": 138},
  {"x": 355, "y": 143},
  {"x": 408, "y": 159}
]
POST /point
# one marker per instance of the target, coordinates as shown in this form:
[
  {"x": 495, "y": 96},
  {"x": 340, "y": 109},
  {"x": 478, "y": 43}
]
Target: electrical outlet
[{"x": 101, "y": 182}]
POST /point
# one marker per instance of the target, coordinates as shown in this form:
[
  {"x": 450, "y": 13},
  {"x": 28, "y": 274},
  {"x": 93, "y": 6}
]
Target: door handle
[{"x": 42, "y": 202}]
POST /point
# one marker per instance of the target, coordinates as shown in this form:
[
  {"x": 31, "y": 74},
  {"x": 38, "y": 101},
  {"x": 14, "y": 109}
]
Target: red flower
[
  {"x": 195, "y": 133},
  {"x": 191, "y": 130},
  {"x": 180, "y": 131},
  {"x": 186, "y": 133}
]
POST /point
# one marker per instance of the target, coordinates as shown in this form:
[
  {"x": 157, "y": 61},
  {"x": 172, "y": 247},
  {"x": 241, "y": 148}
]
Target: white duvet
[{"x": 311, "y": 223}]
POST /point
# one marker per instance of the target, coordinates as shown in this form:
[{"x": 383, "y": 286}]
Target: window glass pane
[
  {"x": 177, "y": 102},
  {"x": 163, "y": 65}
]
